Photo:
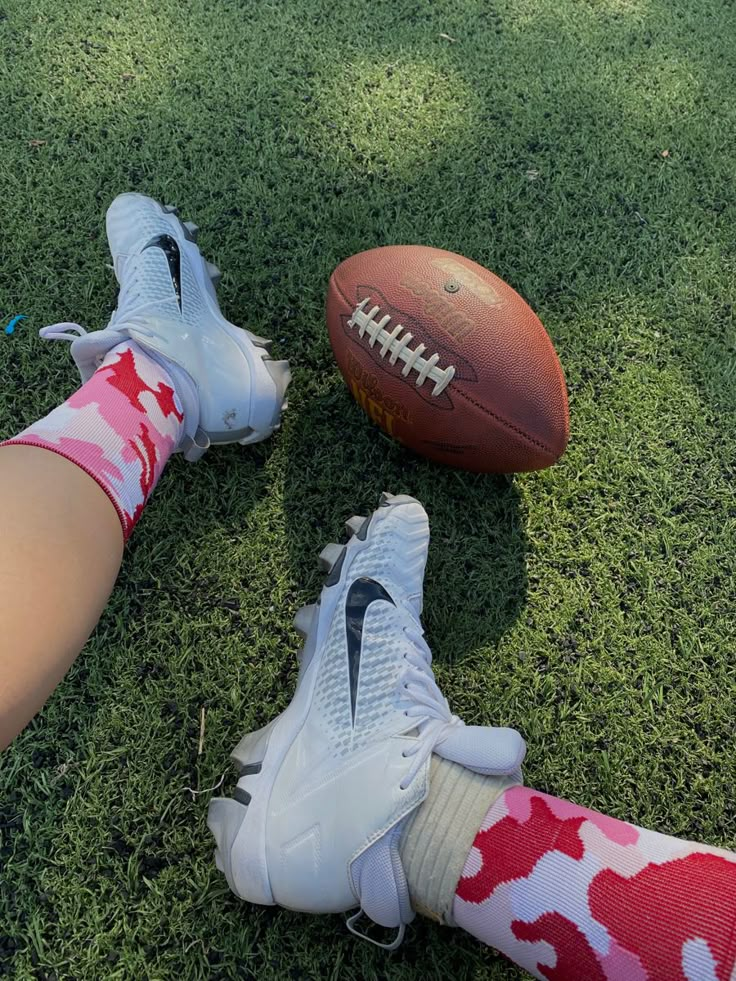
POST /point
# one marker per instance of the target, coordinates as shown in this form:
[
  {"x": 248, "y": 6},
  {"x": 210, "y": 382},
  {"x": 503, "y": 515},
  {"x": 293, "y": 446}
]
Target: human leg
[
  {"x": 60, "y": 551},
  {"x": 570, "y": 893},
  {"x": 339, "y": 806},
  {"x": 169, "y": 373},
  {"x": 74, "y": 485}
]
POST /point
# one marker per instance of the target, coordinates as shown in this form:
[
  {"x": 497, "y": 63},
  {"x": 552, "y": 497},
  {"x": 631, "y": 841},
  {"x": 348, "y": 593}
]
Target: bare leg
[
  {"x": 74, "y": 485},
  {"x": 61, "y": 545},
  {"x": 162, "y": 376}
]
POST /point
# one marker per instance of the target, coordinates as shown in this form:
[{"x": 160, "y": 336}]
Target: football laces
[{"x": 396, "y": 343}]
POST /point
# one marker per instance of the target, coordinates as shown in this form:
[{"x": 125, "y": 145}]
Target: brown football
[{"x": 448, "y": 359}]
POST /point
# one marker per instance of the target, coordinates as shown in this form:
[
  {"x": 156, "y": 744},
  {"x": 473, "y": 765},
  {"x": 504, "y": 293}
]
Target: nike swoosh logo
[
  {"x": 361, "y": 594},
  {"x": 170, "y": 248}
]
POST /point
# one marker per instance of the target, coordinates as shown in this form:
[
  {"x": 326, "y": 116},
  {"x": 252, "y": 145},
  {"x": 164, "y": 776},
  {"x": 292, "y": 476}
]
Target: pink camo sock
[
  {"x": 121, "y": 428},
  {"x": 569, "y": 893}
]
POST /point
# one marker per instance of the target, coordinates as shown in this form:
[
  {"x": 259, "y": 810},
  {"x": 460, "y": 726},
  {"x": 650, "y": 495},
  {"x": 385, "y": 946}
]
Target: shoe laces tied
[
  {"x": 421, "y": 698},
  {"x": 484, "y": 749},
  {"x": 377, "y": 874}
]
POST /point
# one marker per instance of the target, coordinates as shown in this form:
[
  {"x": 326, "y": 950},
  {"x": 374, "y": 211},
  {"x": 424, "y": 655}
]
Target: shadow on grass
[{"x": 338, "y": 464}]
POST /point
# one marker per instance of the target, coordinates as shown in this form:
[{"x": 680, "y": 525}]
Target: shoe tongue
[
  {"x": 380, "y": 882},
  {"x": 483, "y": 749}
]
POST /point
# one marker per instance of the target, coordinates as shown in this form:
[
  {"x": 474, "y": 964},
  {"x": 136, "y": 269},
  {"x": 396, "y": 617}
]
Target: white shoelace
[
  {"x": 67, "y": 331},
  {"x": 377, "y": 874},
  {"x": 422, "y": 697},
  {"x": 133, "y": 315}
]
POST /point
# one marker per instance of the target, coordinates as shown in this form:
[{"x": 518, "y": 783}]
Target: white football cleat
[
  {"x": 326, "y": 788},
  {"x": 231, "y": 389}
]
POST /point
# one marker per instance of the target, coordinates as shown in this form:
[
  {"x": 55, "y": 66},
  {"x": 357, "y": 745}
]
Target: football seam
[{"x": 504, "y": 422}]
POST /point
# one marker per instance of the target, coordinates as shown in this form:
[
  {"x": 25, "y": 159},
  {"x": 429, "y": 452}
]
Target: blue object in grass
[{"x": 11, "y": 326}]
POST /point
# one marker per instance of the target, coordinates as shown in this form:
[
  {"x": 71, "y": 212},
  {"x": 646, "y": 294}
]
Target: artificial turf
[{"x": 583, "y": 150}]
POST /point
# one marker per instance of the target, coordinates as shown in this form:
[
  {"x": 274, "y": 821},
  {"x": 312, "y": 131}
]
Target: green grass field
[{"x": 582, "y": 149}]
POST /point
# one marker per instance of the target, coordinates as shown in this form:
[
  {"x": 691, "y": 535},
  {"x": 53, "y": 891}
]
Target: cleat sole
[{"x": 279, "y": 370}]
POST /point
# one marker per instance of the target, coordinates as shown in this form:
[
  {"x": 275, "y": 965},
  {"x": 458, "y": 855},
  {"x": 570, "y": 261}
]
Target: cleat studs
[
  {"x": 214, "y": 273},
  {"x": 242, "y": 796},
  {"x": 330, "y": 555},
  {"x": 279, "y": 371},
  {"x": 386, "y": 499},
  {"x": 354, "y": 524},
  {"x": 362, "y": 532},
  {"x": 249, "y": 768},
  {"x": 336, "y": 570},
  {"x": 191, "y": 230},
  {"x": 303, "y": 619},
  {"x": 171, "y": 209},
  {"x": 252, "y": 747},
  {"x": 260, "y": 341}
]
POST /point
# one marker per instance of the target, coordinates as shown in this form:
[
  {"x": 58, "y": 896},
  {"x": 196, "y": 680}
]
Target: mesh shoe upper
[{"x": 230, "y": 387}]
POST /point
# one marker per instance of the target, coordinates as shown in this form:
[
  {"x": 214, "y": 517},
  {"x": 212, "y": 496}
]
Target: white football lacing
[{"x": 390, "y": 341}]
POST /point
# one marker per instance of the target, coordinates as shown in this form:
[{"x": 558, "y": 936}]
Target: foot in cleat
[
  {"x": 326, "y": 788},
  {"x": 230, "y": 387}
]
